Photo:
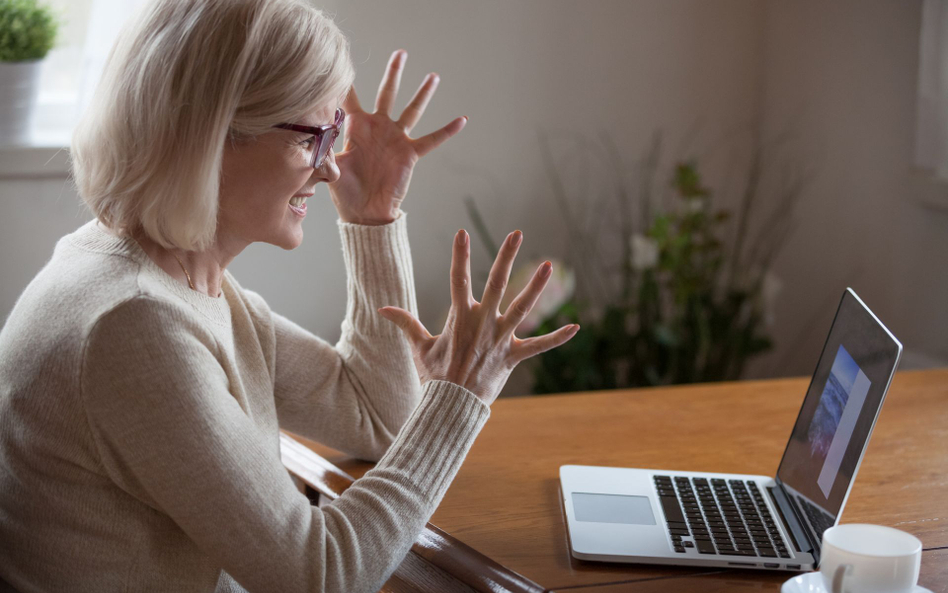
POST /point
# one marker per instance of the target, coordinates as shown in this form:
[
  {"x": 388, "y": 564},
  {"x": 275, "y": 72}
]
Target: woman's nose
[{"x": 328, "y": 171}]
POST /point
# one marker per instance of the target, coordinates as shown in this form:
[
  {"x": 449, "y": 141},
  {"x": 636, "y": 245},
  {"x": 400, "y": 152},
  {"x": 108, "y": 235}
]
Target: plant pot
[{"x": 19, "y": 86}]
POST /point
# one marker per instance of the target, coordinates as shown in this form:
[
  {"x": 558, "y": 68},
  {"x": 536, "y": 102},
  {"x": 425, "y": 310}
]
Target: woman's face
[{"x": 261, "y": 175}]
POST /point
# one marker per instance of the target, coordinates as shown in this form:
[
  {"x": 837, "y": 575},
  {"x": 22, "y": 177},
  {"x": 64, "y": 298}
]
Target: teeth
[{"x": 298, "y": 201}]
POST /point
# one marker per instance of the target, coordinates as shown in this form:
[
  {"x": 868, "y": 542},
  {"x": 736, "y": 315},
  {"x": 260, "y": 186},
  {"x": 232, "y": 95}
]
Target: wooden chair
[{"x": 437, "y": 562}]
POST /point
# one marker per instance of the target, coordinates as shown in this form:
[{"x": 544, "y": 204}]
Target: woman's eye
[{"x": 308, "y": 142}]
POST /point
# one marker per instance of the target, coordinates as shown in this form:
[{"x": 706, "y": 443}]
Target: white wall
[
  {"x": 700, "y": 71},
  {"x": 844, "y": 73}
]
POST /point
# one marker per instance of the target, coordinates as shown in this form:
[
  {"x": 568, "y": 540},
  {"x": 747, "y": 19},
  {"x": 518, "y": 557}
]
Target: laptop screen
[{"x": 839, "y": 411}]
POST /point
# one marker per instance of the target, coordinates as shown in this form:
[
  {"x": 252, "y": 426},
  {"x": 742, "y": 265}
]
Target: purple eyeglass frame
[{"x": 325, "y": 136}]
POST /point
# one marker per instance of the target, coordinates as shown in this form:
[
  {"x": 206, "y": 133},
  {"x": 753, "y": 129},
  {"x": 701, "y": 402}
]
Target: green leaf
[{"x": 27, "y": 31}]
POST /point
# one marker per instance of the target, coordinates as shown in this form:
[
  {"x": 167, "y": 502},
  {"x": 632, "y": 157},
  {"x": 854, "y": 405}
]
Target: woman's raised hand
[
  {"x": 477, "y": 348},
  {"x": 378, "y": 156}
]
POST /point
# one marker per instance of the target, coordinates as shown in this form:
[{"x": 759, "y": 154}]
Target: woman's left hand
[{"x": 378, "y": 156}]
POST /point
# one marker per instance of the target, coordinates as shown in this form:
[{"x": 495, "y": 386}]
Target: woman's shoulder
[
  {"x": 87, "y": 277},
  {"x": 77, "y": 295}
]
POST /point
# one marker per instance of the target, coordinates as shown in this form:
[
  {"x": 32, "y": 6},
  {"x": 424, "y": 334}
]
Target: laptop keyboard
[
  {"x": 719, "y": 517},
  {"x": 818, "y": 519}
]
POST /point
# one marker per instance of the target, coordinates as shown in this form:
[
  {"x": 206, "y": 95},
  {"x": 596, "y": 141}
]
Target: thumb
[{"x": 411, "y": 327}]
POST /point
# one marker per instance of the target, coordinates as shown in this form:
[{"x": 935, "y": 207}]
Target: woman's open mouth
[{"x": 298, "y": 205}]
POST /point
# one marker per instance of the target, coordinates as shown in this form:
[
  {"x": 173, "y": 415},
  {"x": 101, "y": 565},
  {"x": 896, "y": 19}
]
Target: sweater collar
[{"x": 93, "y": 237}]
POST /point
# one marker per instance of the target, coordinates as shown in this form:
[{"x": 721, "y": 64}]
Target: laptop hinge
[{"x": 793, "y": 519}]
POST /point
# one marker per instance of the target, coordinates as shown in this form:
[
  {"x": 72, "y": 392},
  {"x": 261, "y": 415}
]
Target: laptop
[{"x": 663, "y": 516}]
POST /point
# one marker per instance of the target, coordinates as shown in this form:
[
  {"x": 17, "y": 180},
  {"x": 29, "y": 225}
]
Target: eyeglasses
[{"x": 325, "y": 136}]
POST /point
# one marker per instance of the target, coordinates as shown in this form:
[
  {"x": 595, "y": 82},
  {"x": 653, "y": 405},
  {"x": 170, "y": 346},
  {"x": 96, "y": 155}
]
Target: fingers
[
  {"x": 426, "y": 144},
  {"x": 351, "y": 103},
  {"x": 500, "y": 271},
  {"x": 533, "y": 346},
  {"x": 416, "y": 107},
  {"x": 411, "y": 327},
  {"x": 461, "y": 296},
  {"x": 525, "y": 301},
  {"x": 388, "y": 88}
]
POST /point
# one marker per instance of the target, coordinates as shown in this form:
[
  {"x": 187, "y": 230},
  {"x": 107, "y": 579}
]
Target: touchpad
[{"x": 613, "y": 508}]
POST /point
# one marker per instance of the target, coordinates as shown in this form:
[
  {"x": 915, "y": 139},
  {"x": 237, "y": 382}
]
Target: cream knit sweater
[{"x": 139, "y": 446}]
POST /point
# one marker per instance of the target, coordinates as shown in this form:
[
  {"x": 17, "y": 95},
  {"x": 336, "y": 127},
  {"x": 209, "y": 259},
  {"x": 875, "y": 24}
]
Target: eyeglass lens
[
  {"x": 325, "y": 145},
  {"x": 327, "y": 139}
]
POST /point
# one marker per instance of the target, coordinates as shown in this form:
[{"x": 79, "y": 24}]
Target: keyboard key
[
  {"x": 705, "y": 547},
  {"x": 671, "y": 508}
]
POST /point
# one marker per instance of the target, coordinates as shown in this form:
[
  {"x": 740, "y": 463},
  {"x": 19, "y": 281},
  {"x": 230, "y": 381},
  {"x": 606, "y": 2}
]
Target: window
[
  {"x": 931, "y": 132},
  {"x": 72, "y": 69}
]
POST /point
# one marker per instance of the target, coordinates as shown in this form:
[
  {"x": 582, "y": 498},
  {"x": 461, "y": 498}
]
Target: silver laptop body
[{"x": 746, "y": 521}]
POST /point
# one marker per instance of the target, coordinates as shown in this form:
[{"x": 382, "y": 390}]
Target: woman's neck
[{"x": 205, "y": 268}]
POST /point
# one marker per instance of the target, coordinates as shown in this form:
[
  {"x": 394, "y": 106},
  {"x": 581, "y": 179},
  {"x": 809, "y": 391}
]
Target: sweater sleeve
[
  {"x": 170, "y": 434},
  {"x": 355, "y": 396}
]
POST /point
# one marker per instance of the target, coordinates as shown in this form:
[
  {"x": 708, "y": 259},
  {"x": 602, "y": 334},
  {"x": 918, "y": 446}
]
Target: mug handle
[{"x": 839, "y": 578}]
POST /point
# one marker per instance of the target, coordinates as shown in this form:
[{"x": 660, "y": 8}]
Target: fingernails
[
  {"x": 462, "y": 238},
  {"x": 573, "y": 329},
  {"x": 515, "y": 238},
  {"x": 545, "y": 269}
]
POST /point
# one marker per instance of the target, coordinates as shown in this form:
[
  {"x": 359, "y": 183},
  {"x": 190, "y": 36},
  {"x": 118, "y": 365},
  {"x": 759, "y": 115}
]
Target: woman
[{"x": 142, "y": 389}]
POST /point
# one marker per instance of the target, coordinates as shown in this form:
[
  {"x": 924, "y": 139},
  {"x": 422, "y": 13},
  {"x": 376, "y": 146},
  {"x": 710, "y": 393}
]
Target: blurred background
[{"x": 707, "y": 175}]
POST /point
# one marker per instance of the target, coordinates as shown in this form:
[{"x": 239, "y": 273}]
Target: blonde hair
[{"x": 182, "y": 79}]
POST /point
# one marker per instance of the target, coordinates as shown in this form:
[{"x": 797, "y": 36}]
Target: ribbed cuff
[
  {"x": 433, "y": 442},
  {"x": 379, "y": 273}
]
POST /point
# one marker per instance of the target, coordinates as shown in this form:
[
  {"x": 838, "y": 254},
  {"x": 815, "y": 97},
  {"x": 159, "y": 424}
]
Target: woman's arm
[
  {"x": 357, "y": 395},
  {"x": 169, "y": 432}
]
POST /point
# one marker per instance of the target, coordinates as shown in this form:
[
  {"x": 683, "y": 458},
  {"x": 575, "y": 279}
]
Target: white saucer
[{"x": 812, "y": 582}]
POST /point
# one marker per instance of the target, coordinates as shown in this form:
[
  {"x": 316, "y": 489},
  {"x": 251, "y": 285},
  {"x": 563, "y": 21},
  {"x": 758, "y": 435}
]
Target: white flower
[
  {"x": 694, "y": 205},
  {"x": 770, "y": 289},
  {"x": 644, "y": 253},
  {"x": 559, "y": 289}
]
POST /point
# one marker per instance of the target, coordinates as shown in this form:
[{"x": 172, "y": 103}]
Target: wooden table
[{"x": 505, "y": 501}]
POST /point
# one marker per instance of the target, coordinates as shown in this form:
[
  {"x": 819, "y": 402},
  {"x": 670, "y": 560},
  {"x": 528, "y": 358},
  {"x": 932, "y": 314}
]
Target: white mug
[{"x": 859, "y": 558}]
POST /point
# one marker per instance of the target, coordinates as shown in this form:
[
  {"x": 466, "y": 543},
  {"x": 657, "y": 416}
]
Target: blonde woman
[{"x": 142, "y": 388}]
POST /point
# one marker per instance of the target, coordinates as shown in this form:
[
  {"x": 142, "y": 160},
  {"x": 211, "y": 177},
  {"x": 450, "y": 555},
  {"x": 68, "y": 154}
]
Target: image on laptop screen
[{"x": 835, "y": 419}]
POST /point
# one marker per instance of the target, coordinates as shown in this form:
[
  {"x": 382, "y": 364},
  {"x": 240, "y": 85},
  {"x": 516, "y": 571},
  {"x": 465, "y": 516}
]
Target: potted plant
[
  {"x": 27, "y": 33},
  {"x": 688, "y": 294}
]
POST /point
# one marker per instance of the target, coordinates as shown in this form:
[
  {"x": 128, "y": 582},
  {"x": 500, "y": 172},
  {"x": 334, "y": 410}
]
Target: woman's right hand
[{"x": 477, "y": 348}]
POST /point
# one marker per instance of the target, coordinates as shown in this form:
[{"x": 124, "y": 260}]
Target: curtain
[{"x": 931, "y": 138}]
